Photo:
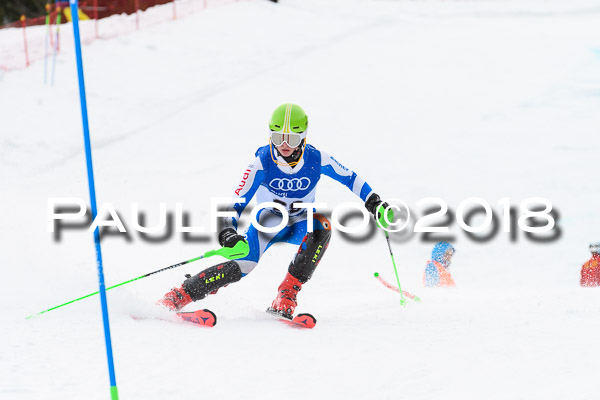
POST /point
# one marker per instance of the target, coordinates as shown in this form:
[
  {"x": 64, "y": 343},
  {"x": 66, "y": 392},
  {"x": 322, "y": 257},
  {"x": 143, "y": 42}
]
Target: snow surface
[{"x": 450, "y": 99}]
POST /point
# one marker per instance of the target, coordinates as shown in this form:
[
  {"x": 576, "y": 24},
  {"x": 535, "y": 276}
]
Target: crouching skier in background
[
  {"x": 285, "y": 172},
  {"x": 590, "y": 271},
  {"x": 436, "y": 273}
]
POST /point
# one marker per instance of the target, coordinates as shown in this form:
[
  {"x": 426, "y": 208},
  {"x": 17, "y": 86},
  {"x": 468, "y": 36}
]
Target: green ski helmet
[{"x": 288, "y": 124}]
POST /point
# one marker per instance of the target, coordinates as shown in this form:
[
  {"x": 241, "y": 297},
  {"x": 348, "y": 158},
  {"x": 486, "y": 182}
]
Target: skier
[
  {"x": 286, "y": 171},
  {"x": 590, "y": 271},
  {"x": 436, "y": 272}
]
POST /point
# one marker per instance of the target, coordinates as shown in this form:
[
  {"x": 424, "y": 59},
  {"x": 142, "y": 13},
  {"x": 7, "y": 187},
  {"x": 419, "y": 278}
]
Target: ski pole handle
[{"x": 240, "y": 250}]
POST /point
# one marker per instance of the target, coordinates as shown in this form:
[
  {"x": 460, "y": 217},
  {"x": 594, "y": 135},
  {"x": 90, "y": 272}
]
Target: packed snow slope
[{"x": 491, "y": 99}]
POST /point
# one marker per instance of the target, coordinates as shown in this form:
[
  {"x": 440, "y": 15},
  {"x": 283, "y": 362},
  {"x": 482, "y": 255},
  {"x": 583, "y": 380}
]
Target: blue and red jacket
[{"x": 436, "y": 272}]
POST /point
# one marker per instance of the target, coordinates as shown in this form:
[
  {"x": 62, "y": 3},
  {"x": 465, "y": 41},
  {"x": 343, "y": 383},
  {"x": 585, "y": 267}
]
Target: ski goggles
[
  {"x": 595, "y": 247},
  {"x": 292, "y": 139}
]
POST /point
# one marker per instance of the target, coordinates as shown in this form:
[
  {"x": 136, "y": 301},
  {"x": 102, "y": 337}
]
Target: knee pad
[
  {"x": 320, "y": 222},
  {"x": 211, "y": 279},
  {"x": 311, "y": 249}
]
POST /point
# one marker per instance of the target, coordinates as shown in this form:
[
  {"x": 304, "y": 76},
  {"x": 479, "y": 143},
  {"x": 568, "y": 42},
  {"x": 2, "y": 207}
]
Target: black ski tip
[
  {"x": 213, "y": 314},
  {"x": 307, "y": 315}
]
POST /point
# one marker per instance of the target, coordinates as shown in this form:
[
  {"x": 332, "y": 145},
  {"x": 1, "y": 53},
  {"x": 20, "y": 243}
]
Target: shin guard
[
  {"x": 311, "y": 250},
  {"x": 211, "y": 279}
]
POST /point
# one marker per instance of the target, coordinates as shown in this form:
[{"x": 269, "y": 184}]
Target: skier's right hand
[{"x": 229, "y": 237}]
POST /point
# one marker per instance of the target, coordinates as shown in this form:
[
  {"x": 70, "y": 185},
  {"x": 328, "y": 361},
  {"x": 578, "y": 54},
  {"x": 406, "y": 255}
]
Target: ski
[
  {"x": 205, "y": 318},
  {"x": 395, "y": 288},
  {"x": 302, "y": 321}
]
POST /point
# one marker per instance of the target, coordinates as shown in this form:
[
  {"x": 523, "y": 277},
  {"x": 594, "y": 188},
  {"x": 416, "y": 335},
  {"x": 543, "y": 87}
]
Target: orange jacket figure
[
  {"x": 590, "y": 271},
  {"x": 436, "y": 273}
]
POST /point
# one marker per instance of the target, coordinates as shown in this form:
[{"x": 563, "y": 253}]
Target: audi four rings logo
[{"x": 290, "y": 184}]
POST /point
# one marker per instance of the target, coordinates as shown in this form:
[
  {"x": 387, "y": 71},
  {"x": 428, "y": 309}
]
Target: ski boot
[
  {"x": 285, "y": 303},
  {"x": 176, "y": 299},
  {"x": 310, "y": 252}
]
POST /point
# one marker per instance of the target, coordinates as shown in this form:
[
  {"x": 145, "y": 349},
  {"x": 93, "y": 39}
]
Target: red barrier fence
[
  {"x": 98, "y": 19},
  {"x": 94, "y": 9}
]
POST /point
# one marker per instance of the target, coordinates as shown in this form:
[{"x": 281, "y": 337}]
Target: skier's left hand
[
  {"x": 229, "y": 237},
  {"x": 380, "y": 210}
]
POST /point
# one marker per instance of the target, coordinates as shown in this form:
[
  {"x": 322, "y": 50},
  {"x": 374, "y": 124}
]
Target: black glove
[
  {"x": 376, "y": 207},
  {"x": 229, "y": 237},
  {"x": 373, "y": 202}
]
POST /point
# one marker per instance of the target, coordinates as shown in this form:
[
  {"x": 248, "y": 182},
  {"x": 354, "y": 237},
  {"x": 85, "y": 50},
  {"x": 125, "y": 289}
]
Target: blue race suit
[{"x": 271, "y": 182}]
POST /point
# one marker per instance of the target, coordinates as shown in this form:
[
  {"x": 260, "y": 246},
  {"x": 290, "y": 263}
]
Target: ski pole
[
  {"x": 395, "y": 289},
  {"x": 240, "y": 250},
  {"x": 58, "y": 10},
  {"x": 46, "y": 42},
  {"x": 383, "y": 217},
  {"x": 402, "y": 300},
  {"x": 23, "y": 19}
]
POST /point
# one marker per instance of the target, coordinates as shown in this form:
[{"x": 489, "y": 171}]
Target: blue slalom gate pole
[{"x": 90, "y": 171}]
